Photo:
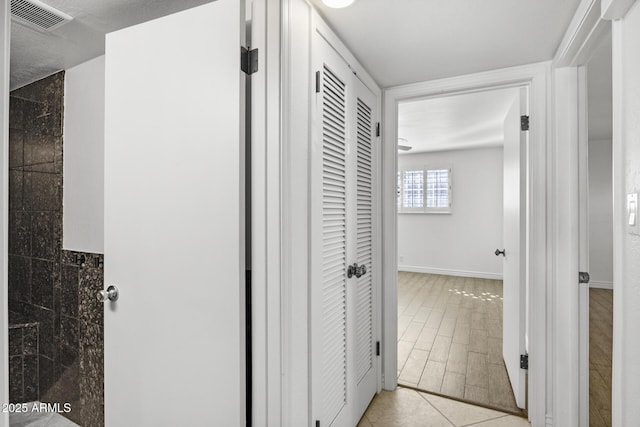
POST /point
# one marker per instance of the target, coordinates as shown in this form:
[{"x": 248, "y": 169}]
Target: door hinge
[
  {"x": 377, "y": 348},
  {"x": 248, "y": 60},
  {"x": 524, "y": 123},
  {"x": 524, "y": 361},
  {"x": 583, "y": 277},
  {"x": 378, "y": 129},
  {"x": 318, "y": 84},
  {"x": 317, "y": 423}
]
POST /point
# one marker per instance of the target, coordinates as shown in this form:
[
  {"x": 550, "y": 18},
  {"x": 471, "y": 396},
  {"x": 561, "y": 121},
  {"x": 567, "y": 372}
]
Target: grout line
[
  {"x": 481, "y": 422},
  {"x": 433, "y": 406}
]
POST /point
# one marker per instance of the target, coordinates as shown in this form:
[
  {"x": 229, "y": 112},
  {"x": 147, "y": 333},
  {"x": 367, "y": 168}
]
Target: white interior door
[
  {"x": 343, "y": 360},
  {"x": 174, "y": 220},
  {"x": 514, "y": 280}
]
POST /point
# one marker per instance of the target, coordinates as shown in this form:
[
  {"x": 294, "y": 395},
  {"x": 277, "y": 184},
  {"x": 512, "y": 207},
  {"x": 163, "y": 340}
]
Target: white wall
[
  {"x": 83, "y": 181},
  {"x": 462, "y": 243},
  {"x": 626, "y": 136},
  {"x": 600, "y": 214}
]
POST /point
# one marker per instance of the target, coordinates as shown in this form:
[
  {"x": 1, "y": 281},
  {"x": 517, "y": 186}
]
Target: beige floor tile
[
  {"x": 403, "y": 324},
  {"x": 364, "y": 422},
  {"x": 435, "y": 318},
  {"x": 404, "y": 349},
  {"x": 432, "y": 376},
  {"x": 422, "y": 315},
  {"x": 500, "y": 393},
  {"x": 440, "y": 349},
  {"x": 478, "y": 341},
  {"x": 476, "y": 394},
  {"x": 453, "y": 385},
  {"x": 461, "y": 414},
  {"x": 508, "y": 421},
  {"x": 447, "y": 326},
  {"x": 412, "y": 370},
  {"x": 494, "y": 328},
  {"x": 477, "y": 371},
  {"x": 461, "y": 333},
  {"x": 413, "y": 331},
  {"x": 457, "y": 360},
  {"x": 494, "y": 346},
  {"x": 426, "y": 339},
  {"x": 403, "y": 408}
]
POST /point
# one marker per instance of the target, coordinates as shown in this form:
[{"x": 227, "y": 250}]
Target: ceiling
[
  {"x": 455, "y": 122},
  {"x": 398, "y": 41},
  {"x": 407, "y": 41},
  {"x": 36, "y": 54},
  {"x": 600, "y": 92}
]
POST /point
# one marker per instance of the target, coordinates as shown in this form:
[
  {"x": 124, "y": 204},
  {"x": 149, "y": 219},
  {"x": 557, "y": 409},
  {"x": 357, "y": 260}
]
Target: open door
[
  {"x": 514, "y": 283},
  {"x": 174, "y": 220}
]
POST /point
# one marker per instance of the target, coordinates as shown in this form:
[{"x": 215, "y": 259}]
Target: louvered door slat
[
  {"x": 364, "y": 239},
  {"x": 334, "y": 240}
]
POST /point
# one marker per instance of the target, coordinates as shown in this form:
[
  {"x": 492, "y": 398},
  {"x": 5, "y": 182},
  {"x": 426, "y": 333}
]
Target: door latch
[{"x": 583, "y": 277}]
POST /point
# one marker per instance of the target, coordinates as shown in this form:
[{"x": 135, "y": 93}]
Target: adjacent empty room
[{"x": 460, "y": 233}]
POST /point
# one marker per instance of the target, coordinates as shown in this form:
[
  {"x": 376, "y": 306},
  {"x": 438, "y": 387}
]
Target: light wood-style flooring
[
  {"x": 600, "y": 346},
  {"x": 450, "y": 338}
]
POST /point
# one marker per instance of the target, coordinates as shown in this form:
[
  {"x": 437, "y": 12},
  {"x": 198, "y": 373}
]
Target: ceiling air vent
[{"x": 38, "y": 14}]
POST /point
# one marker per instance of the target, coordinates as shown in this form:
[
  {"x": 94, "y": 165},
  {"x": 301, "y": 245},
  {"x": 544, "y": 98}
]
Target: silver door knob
[{"x": 110, "y": 294}]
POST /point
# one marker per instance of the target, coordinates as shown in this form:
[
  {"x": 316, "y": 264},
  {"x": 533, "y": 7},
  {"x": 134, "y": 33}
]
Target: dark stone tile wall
[
  {"x": 35, "y": 214},
  {"x": 47, "y": 285},
  {"x": 23, "y": 359},
  {"x": 82, "y": 335}
]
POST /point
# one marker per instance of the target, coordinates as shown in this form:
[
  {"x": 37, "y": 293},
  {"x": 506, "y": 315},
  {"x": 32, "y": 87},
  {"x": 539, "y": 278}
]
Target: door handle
[
  {"x": 361, "y": 271},
  {"x": 356, "y": 270},
  {"x": 351, "y": 270},
  {"x": 110, "y": 294},
  {"x": 499, "y": 252}
]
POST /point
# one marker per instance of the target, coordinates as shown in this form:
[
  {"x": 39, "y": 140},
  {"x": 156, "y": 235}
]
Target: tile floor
[
  {"x": 600, "y": 347},
  {"x": 409, "y": 408},
  {"x": 39, "y": 419},
  {"x": 450, "y": 338}
]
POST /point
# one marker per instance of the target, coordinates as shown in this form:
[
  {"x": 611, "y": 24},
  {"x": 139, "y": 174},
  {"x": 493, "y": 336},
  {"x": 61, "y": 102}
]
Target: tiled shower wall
[{"x": 45, "y": 286}]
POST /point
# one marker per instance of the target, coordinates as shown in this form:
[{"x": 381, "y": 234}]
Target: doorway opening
[
  {"x": 462, "y": 246},
  {"x": 596, "y": 248}
]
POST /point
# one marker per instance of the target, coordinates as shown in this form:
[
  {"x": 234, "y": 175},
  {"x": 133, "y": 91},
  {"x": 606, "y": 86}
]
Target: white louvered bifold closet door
[
  {"x": 343, "y": 362},
  {"x": 364, "y": 296},
  {"x": 334, "y": 241}
]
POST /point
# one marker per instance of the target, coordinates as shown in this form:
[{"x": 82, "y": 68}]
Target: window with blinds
[{"x": 425, "y": 190}]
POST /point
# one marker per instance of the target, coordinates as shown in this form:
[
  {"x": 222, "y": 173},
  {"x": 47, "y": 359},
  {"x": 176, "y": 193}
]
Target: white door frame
[
  {"x": 536, "y": 76},
  {"x": 571, "y": 349},
  {"x": 579, "y": 42},
  {"x": 265, "y": 219},
  {"x": 5, "y": 44}
]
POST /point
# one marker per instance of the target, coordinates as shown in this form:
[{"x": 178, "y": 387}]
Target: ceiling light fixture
[
  {"x": 338, "y": 4},
  {"x": 402, "y": 147}
]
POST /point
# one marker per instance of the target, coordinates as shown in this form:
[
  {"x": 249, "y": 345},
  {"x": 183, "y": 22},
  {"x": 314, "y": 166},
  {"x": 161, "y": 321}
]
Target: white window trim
[{"x": 424, "y": 209}]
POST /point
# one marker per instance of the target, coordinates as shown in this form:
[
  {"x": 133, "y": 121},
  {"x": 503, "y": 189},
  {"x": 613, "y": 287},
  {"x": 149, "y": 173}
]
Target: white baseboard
[
  {"x": 446, "y": 272},
  {"x": 549, "y": 421},
  {"x": 601, "y": 285}
]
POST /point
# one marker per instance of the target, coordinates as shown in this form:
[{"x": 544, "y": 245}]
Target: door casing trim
[{"x": 537, "y": 78}]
